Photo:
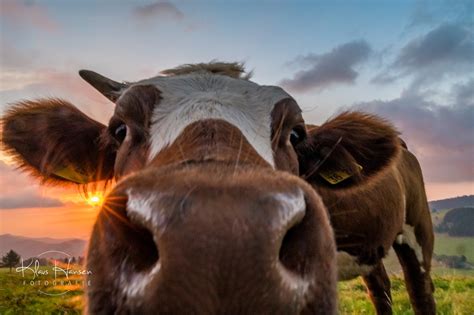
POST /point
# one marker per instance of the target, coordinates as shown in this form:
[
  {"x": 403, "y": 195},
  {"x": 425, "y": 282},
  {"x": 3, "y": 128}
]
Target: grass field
[
  {"x": 450, "y": 245},
  {"x": 454, "y": 295},
  {"x": 18, "y": 297}
]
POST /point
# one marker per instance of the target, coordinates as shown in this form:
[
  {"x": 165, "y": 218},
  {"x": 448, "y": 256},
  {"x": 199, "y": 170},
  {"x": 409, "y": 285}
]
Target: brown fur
[
  {"x": 367, "y": 218},
  {"x": 70, "y": 134},
  {"x": 134, "y": 109},
  {"x": 221, "y": 232},
  {"x": 286, "y": 116},
  {"x": 231, "y": 69},
  {"x": 346, "y": 141},
  {"x": 230, "y": 263}
]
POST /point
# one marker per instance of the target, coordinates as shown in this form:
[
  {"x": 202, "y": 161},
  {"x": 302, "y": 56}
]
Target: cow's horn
[{"x": 109, "y": 88}]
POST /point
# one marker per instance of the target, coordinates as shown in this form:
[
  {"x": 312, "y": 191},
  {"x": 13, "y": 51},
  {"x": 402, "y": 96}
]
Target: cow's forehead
[
  {"x": 189, "y": 98},
  {"x": 220, "y": 86}
]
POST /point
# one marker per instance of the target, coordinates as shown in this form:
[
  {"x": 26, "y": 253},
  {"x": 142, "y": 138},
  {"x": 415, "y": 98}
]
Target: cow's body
[
  {"x": 218, "y": 203},
  {"x": 392, "y": 211}
]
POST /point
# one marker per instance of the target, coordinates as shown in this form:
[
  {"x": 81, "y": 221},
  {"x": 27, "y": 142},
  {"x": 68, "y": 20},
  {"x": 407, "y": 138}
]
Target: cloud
[
  {"x": 47, "y": 82},
  {"x": 21, "y": 13},
  {"x": 441, "y": 136},
  {"x": 20, "y": 79},
  {"x": 422, "y": 14},
  {"x": 13, "y": 58},
  {"x": 13, "y": 181},
  {"x": 448, "y": 43},
  {"x": 156, "y": 10},
  {"x": 464, "y": 93},
  {"x": 15, "y": 80},
  {"x": 447, "y": 49},
  {"x": 430, "y": 13},
  {"x": 19, "y": 192},
  {"x": 336, "y": 66},
  {"x": 28, "y": 201}
]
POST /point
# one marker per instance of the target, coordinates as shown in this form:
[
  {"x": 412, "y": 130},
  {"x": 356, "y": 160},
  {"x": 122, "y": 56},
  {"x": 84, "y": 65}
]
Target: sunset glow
[
  {"x": 329, "y": 56},
  {"x": 95, "y": 200}
]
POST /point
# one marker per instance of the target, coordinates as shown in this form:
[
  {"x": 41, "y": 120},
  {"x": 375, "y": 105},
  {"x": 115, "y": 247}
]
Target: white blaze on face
[{"x": 186, "y": 99}]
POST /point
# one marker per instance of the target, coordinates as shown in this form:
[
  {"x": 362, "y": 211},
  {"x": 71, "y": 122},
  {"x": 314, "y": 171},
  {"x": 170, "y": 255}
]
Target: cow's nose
[
  {"x": 232, "y": 241},
  {"x": 209, "y": 221}
]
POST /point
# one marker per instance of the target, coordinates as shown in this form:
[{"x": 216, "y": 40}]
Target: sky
[{"x": 411, "y": 62}]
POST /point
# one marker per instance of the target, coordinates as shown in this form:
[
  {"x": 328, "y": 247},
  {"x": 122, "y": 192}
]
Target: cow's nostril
[
  {"x": 294, "y": 249},
  {"x": 130, "y": 244},
  {"x": 142, "y": 250},
  {"x": 147, "y": 245},
  {"x": 142, "y": 246}
]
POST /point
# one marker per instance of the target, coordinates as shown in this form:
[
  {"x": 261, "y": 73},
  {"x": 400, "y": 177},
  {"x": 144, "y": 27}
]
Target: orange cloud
[
  {"x": 32, "y": 217},
  {"x": 58, "y": 222},
  {"x": 21, "y": 191}
]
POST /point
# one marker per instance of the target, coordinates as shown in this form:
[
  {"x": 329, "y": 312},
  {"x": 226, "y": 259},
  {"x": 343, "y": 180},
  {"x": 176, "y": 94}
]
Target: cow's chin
[{"x": 204, "y": 239}]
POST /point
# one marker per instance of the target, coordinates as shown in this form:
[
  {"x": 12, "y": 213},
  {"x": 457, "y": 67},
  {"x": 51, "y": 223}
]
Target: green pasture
[{"x": 454, "y": 295}]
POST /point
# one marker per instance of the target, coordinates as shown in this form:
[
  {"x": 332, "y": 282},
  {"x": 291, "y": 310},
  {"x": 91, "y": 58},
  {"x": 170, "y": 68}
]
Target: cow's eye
[
  {"x": 120, "y": 133},
  {"x": 297, "y": 135}
]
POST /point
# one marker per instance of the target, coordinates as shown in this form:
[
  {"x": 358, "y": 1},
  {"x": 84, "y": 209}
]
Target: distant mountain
[
  {"x": 450, "y": 203},
  {"x": 28, "y": 247}
]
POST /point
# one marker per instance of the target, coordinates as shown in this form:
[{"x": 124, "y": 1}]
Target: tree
[{"x": 11, "y": 259}]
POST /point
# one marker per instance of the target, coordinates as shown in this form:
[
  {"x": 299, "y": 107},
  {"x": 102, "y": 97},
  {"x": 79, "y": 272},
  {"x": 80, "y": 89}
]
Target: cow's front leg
[{"x": 378, "y": 284}]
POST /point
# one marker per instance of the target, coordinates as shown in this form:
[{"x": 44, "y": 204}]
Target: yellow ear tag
[
  {"x": 335, "y": 177},
  {"x": 71, "y": 174}
]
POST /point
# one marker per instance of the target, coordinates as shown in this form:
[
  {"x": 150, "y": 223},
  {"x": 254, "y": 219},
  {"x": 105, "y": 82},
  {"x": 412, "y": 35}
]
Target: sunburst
[{"x": 95, "y": 200}]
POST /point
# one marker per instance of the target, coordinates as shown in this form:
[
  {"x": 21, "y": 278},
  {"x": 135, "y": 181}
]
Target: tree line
[{"x": 12, "y": 259}]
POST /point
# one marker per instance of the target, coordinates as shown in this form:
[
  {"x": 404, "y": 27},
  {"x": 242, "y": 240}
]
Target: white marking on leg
[
  {"x": 408, "y": 237},
  {"x": 348, "y": 267},
  {"x": 189, "y": 98}
]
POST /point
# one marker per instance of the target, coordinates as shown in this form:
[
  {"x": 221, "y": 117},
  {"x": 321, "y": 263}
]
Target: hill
[
  {"x": 450, "y": 203},
  {"x": 28, "y": 247},
  {"x": 457, "y": 222}
]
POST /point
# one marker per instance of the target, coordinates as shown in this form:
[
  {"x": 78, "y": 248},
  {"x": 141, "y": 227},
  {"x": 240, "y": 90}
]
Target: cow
[{"x": 223, "y": 201}]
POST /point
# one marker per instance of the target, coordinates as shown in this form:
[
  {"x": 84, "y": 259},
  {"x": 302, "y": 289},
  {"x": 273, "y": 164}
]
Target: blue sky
[
  {"x": 110, "y": 37},
  {"x": 409, "y": 61}
]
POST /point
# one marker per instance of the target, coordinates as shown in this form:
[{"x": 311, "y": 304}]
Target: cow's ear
[
  {"x": 347, "y": 150},
  {"x": 53, "y": 140}
]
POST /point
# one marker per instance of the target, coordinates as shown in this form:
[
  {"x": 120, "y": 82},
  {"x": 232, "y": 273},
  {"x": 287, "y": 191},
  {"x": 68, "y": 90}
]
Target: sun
[{"x": 95, "y": 200}]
